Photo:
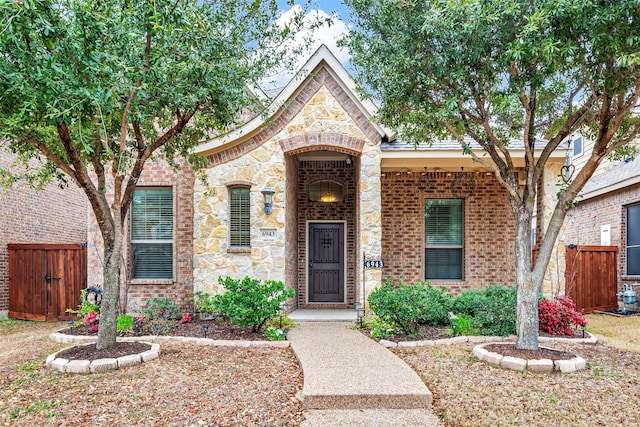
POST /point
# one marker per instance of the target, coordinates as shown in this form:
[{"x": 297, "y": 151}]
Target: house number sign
[
  {"x": 373, "y": 263},
  {"x": 268, "y": 233}
]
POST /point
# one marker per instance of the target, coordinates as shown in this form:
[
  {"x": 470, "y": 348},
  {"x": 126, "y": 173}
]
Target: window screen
[
  {"x": 152, "y": 233},
  {"x": 443, "y": 239},
  {"x": 239, "y": 217}
]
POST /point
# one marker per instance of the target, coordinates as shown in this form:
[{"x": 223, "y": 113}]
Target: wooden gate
[
  {"x": 45, "y": 280},
  {"x": 591, "y": 277}
]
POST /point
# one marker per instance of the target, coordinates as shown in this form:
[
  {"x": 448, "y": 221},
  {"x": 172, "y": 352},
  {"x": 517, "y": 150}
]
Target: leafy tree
[
  {"x": 95, "y": 89},
  {"x": 499, "y": 70}
]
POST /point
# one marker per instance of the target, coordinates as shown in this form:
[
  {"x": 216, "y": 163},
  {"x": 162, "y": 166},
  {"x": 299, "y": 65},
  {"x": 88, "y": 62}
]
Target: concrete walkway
[{"x": 351, "y": 380}]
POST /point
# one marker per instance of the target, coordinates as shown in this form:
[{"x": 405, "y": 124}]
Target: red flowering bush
[
  {"x": 186, "y": 318},
  {"x": 91, "y": 319},
  {"x": 559, "y": 316}
]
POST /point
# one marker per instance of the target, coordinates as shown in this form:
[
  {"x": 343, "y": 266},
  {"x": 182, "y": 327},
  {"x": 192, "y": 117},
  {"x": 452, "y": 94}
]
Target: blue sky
[{"x": 325, "y": 35}]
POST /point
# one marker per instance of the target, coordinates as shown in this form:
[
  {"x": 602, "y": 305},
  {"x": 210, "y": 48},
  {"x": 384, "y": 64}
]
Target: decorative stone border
[
  {"x": 534, "y": 365},
  {"x": 63, "y": 338},
  {"x": 100, "y": 365},
  {"x": 482, "y": 339}
]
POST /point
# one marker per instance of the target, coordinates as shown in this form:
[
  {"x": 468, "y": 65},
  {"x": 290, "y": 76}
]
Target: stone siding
[
  {"x": 488, "y": 229},
  {"x": 52, "y": 215}
]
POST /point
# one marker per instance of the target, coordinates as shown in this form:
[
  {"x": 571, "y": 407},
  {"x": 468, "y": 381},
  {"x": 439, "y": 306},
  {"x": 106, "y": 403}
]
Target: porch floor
[{"x": 306, "y": 315}]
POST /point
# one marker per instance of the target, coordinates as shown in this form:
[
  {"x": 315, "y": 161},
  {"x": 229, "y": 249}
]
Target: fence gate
[
  {"x": 45, "y": 280},
  {"x": 591, "y": 277}
]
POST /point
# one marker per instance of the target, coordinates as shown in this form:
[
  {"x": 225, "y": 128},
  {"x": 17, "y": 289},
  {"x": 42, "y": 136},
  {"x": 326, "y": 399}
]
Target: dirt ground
[
  {"x": 188, "y": 385},
  {"x": 191, "y": 385}
]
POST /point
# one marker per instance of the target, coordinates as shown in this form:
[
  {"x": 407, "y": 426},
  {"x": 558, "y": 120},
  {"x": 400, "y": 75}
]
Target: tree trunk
[
  {"x": 111, "y": 292},
  {"x": 527, "y": 285}
]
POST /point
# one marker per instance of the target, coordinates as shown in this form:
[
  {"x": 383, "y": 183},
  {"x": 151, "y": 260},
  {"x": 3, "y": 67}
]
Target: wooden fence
[
  {"x": 591, "y": 277},
  {"x": 45, "y": 280}
]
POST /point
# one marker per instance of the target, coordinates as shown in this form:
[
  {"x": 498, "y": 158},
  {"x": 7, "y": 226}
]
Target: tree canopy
[
  {"x": 94, "y": 89},
  {"x": 536, "y": 71}
]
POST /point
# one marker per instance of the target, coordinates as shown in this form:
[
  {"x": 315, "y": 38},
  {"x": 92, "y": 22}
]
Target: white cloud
[{"x": 325, "y": 34}]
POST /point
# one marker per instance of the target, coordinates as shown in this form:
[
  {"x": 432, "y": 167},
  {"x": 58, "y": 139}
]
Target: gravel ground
[{"x": 188, "y": 385}]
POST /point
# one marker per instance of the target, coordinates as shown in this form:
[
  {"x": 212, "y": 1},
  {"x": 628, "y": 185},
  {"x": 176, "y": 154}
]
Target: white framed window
[
  {"x": 577, "y": 146},
  {"x": 152, "y": 233},
  {"x": 633, "y": 240},
  {"x": 239, "y": 217},
  {"x": 444, "y": 240}
]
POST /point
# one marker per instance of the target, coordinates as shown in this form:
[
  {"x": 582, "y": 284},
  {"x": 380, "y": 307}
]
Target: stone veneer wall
[
  {"x": 135, "y": 293},
  {"x": 488, "y": 229},
  {"x": 52, "y": 215},
  {"x": 321, "y": 116},
  {"x": 584, "y": 222}
]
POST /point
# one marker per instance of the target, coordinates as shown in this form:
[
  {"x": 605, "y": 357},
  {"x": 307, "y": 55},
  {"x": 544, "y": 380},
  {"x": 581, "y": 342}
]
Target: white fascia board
[
  {"x": 249, "y": 129},
  {"x": 447, "y": 154}
]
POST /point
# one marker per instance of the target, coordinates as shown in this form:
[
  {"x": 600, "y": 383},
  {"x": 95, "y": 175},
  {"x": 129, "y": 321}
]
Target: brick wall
[
  {"x": 135, "y": 293},
  {"x": 488, "y": 228},
  {"x": 53, "y": 215},
  {"x": 584, "y": 221},
  {"x": 308, "y": 173}
]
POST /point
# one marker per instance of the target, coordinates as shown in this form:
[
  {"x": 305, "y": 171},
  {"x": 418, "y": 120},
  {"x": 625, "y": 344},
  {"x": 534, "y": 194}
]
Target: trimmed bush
[
  {"x": 251, "y": 302},
  {"x": 409, "y": 306},
  {"x": 491, "y": 310},
  {"x": 559, "y": 316}
]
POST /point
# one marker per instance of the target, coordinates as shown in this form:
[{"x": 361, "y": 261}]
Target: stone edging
[
  {"x": 102, "y": 365},
  {"x": 534, "y": 365},
  {"x": 482, "y": 339}
]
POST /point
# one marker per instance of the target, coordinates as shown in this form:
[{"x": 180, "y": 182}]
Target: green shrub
[
  {"x": 124, "y": 323},
  {"x": 465, "y": 325},
  {"x": 85, "y": 306},
  {"x": 161, "y": 308},
  {"x": 274, "y": 334},
  {"x": 287, "y": 323},
  {"x": 409, "y": 306},
  {"x": 204, "y": 303},
  {"x": 251, "y": 302},
  {"x": 492, "y": 310}
]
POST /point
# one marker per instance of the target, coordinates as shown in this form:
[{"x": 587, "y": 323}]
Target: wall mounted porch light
[{"x": 267, "y": 194}]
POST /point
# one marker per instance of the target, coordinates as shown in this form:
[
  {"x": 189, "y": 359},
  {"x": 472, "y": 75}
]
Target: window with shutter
[
  {"x": 443, "y": 239},
  {"x": 633, "y": 240},
  {"x": 152, "y": 233},
  {"x": 239, "y": 217}
]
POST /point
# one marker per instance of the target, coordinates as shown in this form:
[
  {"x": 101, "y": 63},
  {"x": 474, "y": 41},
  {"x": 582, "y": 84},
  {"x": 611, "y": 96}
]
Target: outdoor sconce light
[
  {"x": 268, "y": 193},
  {"x": 283, "y": 311},
  {"x": 360, "y": 312},
  {"x": 205, "y": 328}
]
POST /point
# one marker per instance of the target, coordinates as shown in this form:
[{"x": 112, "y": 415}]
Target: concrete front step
[
  {"x": 343, "y": 369},
  {"x": 370, "y": 417}
]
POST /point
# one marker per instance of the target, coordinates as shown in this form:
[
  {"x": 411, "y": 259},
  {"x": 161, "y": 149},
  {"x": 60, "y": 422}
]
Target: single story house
[{"x": 320, "y": 196}]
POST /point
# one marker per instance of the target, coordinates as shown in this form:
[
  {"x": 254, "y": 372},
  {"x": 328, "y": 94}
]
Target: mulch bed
[
  {"x": 91, "y": 353},
  {"x": 218, "y": 329},
  {"x": 541, "y": 353}
]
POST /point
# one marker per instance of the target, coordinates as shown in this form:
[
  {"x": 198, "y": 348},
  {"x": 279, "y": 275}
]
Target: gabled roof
[
  {"x": 620, "y": 176},
  {"x": 321, "y": 58}
]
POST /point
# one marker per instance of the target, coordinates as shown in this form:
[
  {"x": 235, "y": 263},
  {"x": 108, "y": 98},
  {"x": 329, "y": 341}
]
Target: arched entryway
[{"x": 322, "y": 226}]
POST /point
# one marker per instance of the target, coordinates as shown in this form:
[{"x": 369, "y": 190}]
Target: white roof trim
[{"x": 252, "y": 127}]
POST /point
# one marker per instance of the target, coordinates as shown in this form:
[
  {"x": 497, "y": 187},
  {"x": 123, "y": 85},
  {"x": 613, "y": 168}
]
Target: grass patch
[
  {"x": 38, "y": 406},
  {"x": 619, "y": 332}
]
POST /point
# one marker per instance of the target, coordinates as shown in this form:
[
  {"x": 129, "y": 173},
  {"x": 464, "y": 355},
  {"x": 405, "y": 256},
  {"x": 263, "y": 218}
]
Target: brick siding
[
  {"x": 338, "y": 171},
  {"x": 136, "y": 293},
  {"x": 53, "y": 215},
  {"x": 584, "y": 221},
  {"x": 488, "y": 228}
]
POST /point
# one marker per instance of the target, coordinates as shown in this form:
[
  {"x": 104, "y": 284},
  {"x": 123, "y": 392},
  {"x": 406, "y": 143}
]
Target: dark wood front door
[{"x": 326, "y": 262}]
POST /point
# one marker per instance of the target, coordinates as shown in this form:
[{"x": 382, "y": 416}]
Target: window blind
[
  {"x": 239, "y": 217},
  {"x": 633, "y": 240},
  {"x": 443, "y": 239},
  {"x": 152, "y": 234}
]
